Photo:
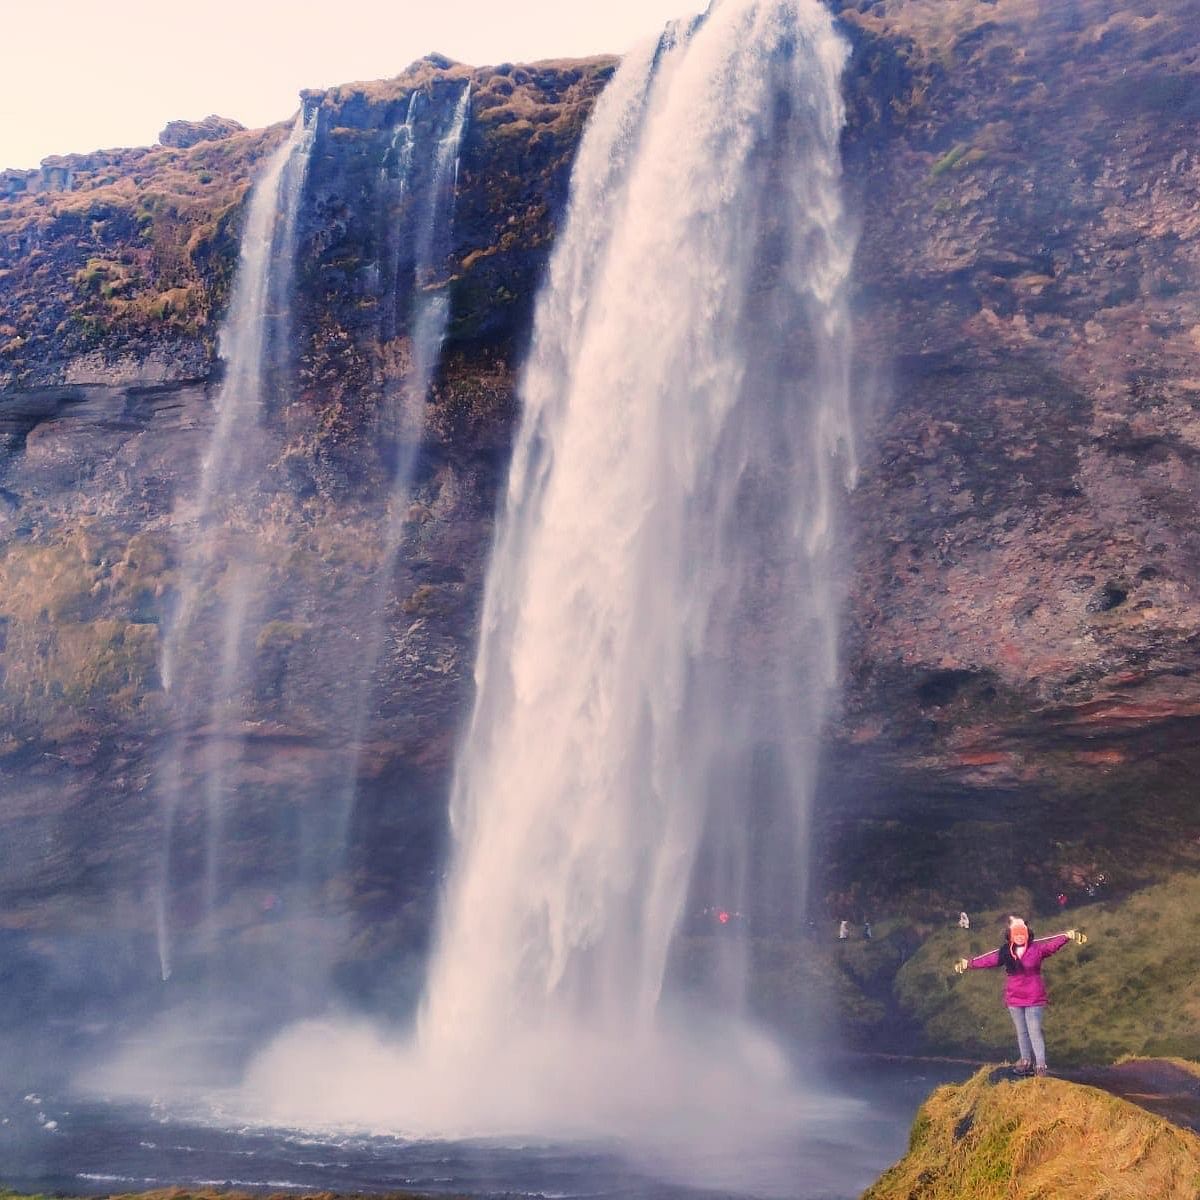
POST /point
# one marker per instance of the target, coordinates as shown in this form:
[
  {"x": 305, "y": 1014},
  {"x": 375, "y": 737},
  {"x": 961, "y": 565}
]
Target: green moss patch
[{"x": 143, "y": 244}]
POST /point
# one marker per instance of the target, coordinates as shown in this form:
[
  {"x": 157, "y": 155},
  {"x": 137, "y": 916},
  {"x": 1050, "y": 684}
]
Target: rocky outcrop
[
  {"x": 991, "y": 1137},
  {"x": 182, "y": 134},
  {"x": 1021, "y": 647}
]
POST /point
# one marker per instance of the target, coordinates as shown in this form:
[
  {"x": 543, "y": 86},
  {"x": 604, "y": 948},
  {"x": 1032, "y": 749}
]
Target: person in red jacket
[{"x": 1022, "y": 956}]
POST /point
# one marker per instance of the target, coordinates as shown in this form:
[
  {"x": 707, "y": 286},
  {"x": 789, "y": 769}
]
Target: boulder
[{"x": 182, "y": 134}]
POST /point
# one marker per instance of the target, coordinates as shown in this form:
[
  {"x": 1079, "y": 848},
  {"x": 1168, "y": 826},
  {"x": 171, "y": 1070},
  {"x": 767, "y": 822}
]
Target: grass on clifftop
[
  {"x": 1039, "y": 1139},
  {"x": 1133, "y": 989}
]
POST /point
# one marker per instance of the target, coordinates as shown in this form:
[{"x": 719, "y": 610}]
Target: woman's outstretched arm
[
  {"x": 1056, "y": 941},
  {"x": 980, "y": 963}
]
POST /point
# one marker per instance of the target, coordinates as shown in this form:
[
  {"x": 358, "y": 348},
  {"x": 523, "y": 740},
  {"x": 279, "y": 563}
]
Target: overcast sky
[{"x": 80, "y": 75}]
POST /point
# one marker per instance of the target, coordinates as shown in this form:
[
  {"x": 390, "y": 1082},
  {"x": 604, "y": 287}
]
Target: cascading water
[
  {"x": 428, "y": 233},
  {"x": 659, "y": 631},
  {"x": 238, "y": 587},
  {"x": 217, "y": 558},
  {"x": 660, "y": 625}
]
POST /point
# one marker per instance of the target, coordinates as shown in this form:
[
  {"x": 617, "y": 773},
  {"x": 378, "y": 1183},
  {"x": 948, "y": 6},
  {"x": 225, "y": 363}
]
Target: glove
[
  {"x": 1077, "y": 935},
  {"x": 960, "y": 966}
]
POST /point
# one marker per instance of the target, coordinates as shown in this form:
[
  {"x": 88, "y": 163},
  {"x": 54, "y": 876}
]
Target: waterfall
[
  {"x": 202, "y": 662},
  {"x": 659, "y": 630},
  {"x": 235, "y": 586},
  {"x": 428, "y": 234}
]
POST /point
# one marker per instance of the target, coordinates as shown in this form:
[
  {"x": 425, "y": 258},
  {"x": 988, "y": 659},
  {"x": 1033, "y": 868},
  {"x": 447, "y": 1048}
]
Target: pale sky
[{"x": 81, "y": 75}]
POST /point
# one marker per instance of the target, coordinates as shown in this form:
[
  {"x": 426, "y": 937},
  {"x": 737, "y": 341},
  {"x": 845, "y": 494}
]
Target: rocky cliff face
[
  {"x": 1021, "y": 642},
  {"x": 111, "y": 297},
  {"x": 1021, "y": 648}
]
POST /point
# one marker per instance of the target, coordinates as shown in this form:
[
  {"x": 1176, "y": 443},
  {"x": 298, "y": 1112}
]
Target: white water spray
[
  {"x": 255, "y": 329},
  {"x": 659, "y": 629}
]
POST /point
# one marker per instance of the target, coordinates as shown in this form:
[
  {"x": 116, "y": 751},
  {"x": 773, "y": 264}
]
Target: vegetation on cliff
[
  {"x": 136, "y": 249},
  {"x": 1027, "y": 1139}
]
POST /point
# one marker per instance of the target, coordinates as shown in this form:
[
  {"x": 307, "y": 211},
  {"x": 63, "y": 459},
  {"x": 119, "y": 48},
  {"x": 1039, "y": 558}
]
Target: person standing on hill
[{"x": 1022, "y": 956}]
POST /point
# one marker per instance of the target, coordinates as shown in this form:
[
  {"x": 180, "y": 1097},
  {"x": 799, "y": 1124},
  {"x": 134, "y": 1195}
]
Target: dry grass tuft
[{"x": 1036, "y": 1139}]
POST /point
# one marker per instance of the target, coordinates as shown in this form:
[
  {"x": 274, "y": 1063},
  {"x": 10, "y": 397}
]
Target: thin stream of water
[{"x": 256, "y": 334}]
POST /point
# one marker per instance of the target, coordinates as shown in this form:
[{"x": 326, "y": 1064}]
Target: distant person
[
  {"x": 964, "y": 922},
  {"x": 867, "y": 930},
  {"x": 843, "y": 931},
  {"x": 1022, "y": 956}
]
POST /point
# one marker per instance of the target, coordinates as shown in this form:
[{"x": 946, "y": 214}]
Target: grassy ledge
[{"x": 1039, "y": 1138}]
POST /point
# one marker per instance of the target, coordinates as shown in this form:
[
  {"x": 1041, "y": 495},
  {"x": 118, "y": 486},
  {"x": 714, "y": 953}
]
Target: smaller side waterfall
[
  {"x": 425, "y": 155},
  {"x": 395, "y": 186},
  {"x": 251, "y": 588},
  {"x": 203, "y": 649}
]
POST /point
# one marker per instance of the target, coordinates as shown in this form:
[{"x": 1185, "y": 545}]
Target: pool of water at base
[{"x": 59, "y": 1143}]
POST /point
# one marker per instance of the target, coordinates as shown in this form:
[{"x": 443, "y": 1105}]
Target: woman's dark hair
[{"x": 1007, "y": 959}]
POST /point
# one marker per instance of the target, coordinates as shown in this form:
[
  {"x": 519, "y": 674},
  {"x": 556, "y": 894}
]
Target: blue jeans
[{"x": 1029, "y": 1032}]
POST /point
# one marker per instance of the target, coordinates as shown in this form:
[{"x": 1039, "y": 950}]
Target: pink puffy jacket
[{"x": 1024, "y": 987}]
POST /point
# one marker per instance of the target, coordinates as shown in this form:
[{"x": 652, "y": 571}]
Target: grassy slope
[
  {"x": 1039, "y": 1138},
  {"x": 1134, "y": 989}
]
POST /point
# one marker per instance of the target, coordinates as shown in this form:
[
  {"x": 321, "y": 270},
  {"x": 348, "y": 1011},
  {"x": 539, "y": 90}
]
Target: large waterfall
[
  {"x": 660, "y": 621},
  {"x": 659, "y": 631}
]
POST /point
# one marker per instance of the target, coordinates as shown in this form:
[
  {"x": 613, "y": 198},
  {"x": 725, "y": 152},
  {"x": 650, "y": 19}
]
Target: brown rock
[{"x": 182, "y": 134}]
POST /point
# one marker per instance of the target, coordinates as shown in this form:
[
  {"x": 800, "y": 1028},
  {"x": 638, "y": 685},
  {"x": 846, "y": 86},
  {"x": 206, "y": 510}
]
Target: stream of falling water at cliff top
[{"x": 659, "y": 629}]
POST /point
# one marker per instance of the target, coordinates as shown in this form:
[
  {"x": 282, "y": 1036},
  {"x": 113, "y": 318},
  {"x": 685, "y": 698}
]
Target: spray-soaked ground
[{"x": 53, "y": 1142}]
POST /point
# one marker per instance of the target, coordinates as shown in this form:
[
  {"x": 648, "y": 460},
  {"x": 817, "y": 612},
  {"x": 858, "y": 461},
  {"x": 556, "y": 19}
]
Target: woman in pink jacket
[{"x": 1022, "y": 956}]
